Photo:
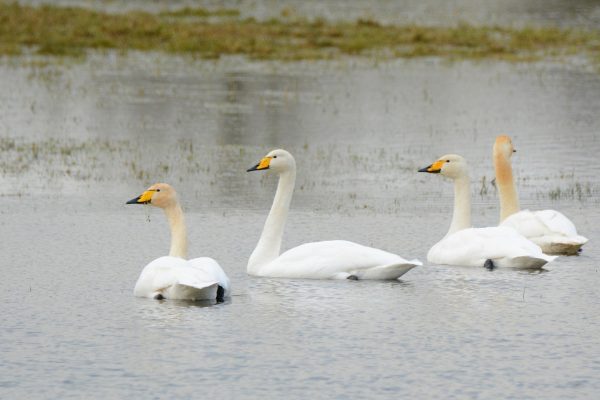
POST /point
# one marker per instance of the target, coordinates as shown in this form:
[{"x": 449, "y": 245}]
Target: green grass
[
  {"x": 201, "y": 13},
  {"x": 70, "y": 31}
]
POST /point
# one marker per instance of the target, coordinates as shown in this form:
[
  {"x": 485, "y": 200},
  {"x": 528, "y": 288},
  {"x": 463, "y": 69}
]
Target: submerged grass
[{"x": 70, "y": 31}]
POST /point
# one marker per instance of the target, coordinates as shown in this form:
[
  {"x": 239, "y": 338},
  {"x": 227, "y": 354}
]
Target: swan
[
  {"x": 173, "y": 277},
  {"x": 478, "y": 247},
  {"x": 335, "y": 259},
  {"x": 549, "y": 229}
]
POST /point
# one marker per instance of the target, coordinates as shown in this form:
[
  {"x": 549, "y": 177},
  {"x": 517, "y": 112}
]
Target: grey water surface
[{"x": 79, "y": 139}]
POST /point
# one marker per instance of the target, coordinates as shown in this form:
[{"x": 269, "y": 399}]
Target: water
[{"x": 79, "y": 140}]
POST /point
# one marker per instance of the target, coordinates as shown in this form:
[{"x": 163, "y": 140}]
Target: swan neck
[
  {"x": 509, "y": 200},
  {"x": 174, "y": 215},
  {"x": 461, "y": 217},
  {"x": 269, "y": 244}
]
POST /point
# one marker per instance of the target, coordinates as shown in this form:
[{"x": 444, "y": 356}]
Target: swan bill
[
  {"x": 144, "y": 198},
  {"x": 263, "y": 164},
  {"x": 434, "y": 168}
]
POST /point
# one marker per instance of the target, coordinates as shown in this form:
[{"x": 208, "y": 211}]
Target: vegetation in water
[{"x": 71, "y": 31}]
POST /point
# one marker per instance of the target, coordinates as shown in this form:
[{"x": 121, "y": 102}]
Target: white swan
[
  {"x": 478, "y": 247},
  {"x": 174, "y": 277},
  {"x": 549, "y": 229},
  {"x": 337, "y": 259}
]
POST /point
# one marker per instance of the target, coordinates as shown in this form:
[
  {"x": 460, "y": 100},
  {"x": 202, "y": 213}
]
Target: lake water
[{"x": 78, "y": 140}]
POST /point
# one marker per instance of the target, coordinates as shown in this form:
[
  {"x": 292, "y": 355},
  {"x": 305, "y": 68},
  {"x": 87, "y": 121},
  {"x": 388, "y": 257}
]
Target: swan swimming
[
  {"x": 336, "y": 259},
  {"x": 549, "y": 229},
  {"x": 478, "y": 247},
  {"x": 173, "y": 277}
]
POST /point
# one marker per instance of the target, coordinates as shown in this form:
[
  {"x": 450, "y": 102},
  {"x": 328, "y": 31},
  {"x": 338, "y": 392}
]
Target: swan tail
[
  {"x": 388, "y": 272},
  {"x": 568, "y": 245},
  {"x": 529, "y": 262},
  {"x": 192, "y": 291}
]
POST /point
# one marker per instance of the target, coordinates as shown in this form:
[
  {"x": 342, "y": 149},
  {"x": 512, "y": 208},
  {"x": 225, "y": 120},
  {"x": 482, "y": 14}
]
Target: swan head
[
  {"x": 277, "y": 160},
  {"x": 160, "y": 195},
  {"x": 504, "y": 146},
  {"x": 451, "y": 165}
]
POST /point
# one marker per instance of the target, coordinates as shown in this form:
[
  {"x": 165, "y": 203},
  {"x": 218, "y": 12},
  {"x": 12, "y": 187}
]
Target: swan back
[
  {"x": 210, "y": 267},
  {"x": 549, "y": 229},
  {"x": 472, "y": 247},
  {"x": 176, "y": 279},
  {"x": 337, "y": 259}
]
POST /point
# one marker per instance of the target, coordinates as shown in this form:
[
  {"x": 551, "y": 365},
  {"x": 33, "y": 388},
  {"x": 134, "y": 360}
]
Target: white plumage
[
  {"x": 178, "y": 279},
  {"x": 549, "y": 229},
  {"x": 335, "y": 259},
  {"x": 472, "y": 247},
  {"x": 476, "y": 247},
  {"x": 173, "y": 277}
]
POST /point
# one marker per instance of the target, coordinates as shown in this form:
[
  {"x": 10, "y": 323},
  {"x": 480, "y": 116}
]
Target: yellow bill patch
[
  {"x": 146, "y": 196},
  {"x": 436, "y": 166},
  {"x": 264, "y": 163}
]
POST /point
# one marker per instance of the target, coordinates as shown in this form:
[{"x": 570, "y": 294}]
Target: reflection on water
[
  {"x": 134, "y": 120},
  {"x": 77, "y": 141}
]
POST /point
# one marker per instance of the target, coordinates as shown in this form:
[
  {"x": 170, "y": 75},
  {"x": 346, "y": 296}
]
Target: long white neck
[
  {"x": 174, "y": 215},
  {"x": 461, "y": 217},
  {"x": 509, "y": 200},
  {"x": 269, "y": 244}
]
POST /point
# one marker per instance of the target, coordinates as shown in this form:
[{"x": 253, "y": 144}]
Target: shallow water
[{"x": 78, "y": 140}]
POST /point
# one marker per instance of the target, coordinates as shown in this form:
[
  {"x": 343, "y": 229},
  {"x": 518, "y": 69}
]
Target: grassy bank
[{"x": 71, "y": 31}]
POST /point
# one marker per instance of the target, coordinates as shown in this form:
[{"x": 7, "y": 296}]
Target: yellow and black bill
[
  {"x": 434, "y": 168},
  {"x": 144, "y": 198},
  {"x": 263, "y": 164}
]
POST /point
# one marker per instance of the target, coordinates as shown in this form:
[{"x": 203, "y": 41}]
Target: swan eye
[
  {"x": 158, "y": 190},
  {"x": 274, "y": 156},
  {"x": 447, "y": 160}
]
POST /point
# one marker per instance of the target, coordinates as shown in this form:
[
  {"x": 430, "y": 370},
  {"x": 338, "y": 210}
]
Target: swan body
[
  {"x": 549, "y": 229},
  {"x": 335, "y": 259},
  {"x": 477, "y": 247},
  {"x": 472, "y": 247},
  {"x": 177, "y": 279},
  {"x": 173, "y": 277}
]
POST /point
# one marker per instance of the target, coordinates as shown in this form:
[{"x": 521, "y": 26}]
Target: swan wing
[
  {"x": 549, "y": 229},
  {"x": 213, "y": 270},
  {"x": 473, "y": 246},
  {"x": 175, "y": 278},
  {"x": 337, "y": 259}
]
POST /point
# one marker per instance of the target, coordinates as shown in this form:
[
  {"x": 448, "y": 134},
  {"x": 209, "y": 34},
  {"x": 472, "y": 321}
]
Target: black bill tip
[
  {"x": 431, "y": 171},
  {"x": 134, "y": 201},
  {"x": 255, "y": 168}
]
